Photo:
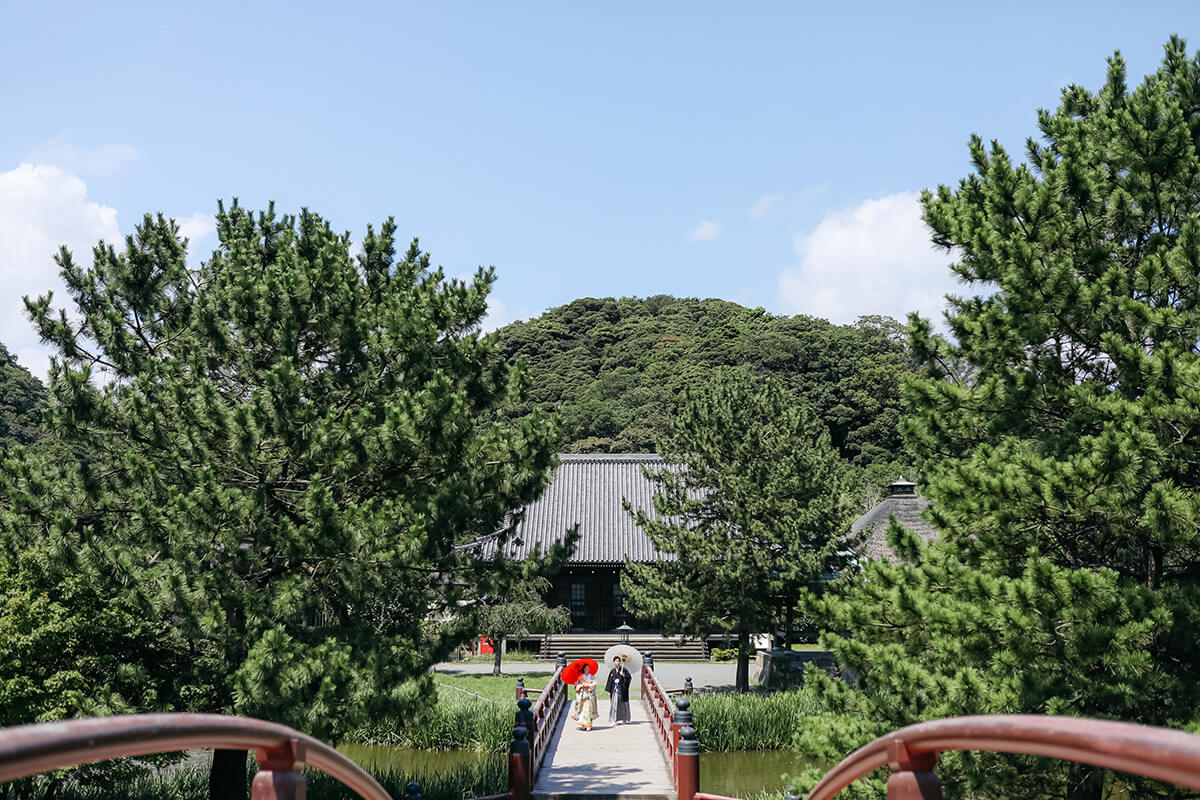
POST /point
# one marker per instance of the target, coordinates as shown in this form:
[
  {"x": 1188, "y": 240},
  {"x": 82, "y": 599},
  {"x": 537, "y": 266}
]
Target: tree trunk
[
  {"x": 227, "y": 777},
  {"x": 495, "y": 657},
  {"x": 1085, "y": 782},
  {"x": 743, "y": 662}
]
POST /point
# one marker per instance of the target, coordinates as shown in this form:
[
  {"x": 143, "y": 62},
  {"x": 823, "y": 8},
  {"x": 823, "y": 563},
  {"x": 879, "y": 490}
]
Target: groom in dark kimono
[{"x": 618, "y": 692}]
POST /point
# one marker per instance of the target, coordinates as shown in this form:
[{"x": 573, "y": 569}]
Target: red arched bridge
[{"x": 661, "y": 759}]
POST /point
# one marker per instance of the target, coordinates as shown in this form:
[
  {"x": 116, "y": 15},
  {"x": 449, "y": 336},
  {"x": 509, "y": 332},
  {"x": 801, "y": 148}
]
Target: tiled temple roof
[{"x": 588, "y": 490}]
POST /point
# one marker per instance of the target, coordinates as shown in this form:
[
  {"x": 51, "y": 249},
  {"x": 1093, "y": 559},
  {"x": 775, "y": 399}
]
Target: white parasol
[{"x": 630, "y": 655}]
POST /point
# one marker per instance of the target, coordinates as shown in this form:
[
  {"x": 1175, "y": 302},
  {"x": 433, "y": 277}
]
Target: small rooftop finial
[{"x": 903, "y": 488}]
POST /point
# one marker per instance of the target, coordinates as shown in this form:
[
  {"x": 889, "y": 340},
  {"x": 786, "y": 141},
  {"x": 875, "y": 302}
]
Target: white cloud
[
  {"x": 198, "y": 229},
  {"x": 706, "y": 231},
  {"x": 36, "y": 360},
  {"x": 875, "y": 258},
  {"x": 763, "y": 204},
  {"x": 100, "y": 160},
  {"x": 41, "y": 208},
  {"x": 497, "y": 315}
]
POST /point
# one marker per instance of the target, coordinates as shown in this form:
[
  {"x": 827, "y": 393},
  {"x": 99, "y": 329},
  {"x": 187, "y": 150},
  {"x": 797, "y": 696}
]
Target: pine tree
[
  {"x": 285, "y": 457},
  {"x": 1060, "y": 434},
  {"x": 749, "y": 512}
]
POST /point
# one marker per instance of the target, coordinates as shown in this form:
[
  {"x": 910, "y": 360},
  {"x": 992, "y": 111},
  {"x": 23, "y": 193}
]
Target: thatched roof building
[{"x": 906, "y": 506}]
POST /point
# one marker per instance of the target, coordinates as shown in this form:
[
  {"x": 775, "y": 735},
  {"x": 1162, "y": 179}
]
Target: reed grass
[
  {"x": 486, "y": 777},
  {"x": 752, "y": 721},
  {"x": 188, "y": 783},
  {"x": 479, "y": 779},
  {"x": 457, "y": 721}
]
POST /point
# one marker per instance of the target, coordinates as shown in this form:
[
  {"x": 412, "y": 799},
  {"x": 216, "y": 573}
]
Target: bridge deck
[{"x": 622, "y": 761}]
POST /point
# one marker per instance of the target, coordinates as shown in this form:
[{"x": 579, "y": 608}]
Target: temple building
[{"x": 591, "y": 491}]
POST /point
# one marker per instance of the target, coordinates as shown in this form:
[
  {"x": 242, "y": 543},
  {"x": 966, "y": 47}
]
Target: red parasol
[{"x": 572, "y": 671}]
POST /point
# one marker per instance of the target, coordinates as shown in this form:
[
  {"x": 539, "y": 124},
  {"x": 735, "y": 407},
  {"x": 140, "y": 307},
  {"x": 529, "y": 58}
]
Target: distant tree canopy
[
  {"x": 22, "y": 398},
  {"x": 615, "y": 368}
]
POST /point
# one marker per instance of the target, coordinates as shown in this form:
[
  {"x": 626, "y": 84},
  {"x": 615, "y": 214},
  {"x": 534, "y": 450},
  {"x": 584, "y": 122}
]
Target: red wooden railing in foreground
[
  {"x": 30, "y": 749},
  {"x": 1159, "y": 753}
]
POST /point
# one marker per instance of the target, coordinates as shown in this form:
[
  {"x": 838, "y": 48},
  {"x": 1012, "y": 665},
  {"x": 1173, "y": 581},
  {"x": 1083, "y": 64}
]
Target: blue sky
[{"x": 766, "y": 153}]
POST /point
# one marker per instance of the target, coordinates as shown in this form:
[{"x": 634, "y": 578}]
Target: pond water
[
  {"x": 737, "y": 774},
  {"x": 741, "y": 774}
]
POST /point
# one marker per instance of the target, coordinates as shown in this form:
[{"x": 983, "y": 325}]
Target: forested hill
[
  {"x": 614, "y": 367},
  {"x": 22, "y": 397}
]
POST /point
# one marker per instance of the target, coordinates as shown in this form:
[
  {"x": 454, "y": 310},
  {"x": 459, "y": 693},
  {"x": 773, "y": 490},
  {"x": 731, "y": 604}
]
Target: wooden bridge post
[
  {"x": 561, "y": 660},
  {"x": 648, "y": 660},
  {"x": 278, "y": 778},
  {"x": 687, "y": 685},
  {"x": 520, "y": 687},
  {"x": 518, "y": 765},
  {"x": 681, "y": 717},
  {"x": 912, "y": 775},
  {"x": 412, "y": 791},
  {"x": 688, "y": 760},
  {"x": 524, "y": 717}
]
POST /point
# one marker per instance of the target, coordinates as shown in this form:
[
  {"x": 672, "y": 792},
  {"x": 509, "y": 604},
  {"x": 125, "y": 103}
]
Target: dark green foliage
[
  {"x": 1060, "y": 437},
  {"x": 22, "y": 398},
  {"x": 68, "y": 651},
  {"x": 752, "y": 513},
  {"x": 616, "y": 368},
  {"x": 282, "y": 465}
]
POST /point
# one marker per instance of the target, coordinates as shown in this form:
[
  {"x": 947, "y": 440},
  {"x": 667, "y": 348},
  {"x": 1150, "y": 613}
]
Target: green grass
[
  {"x": 503, "y": 688},
  {"x": 457, "y": 721},
  {"x": 515, "y": 657}
]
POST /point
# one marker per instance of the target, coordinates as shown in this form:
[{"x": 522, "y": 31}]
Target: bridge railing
[
  {"x": 547, "y": 716},
  {"x": 912, "y": 752},
  {"x": 1158, "y": 753},
  {"x": 534, "y": 726},
  {"x": 662, "y": 714},
  {"x": 672, "y": 723},
  {"x": 27, "y": 750}
]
